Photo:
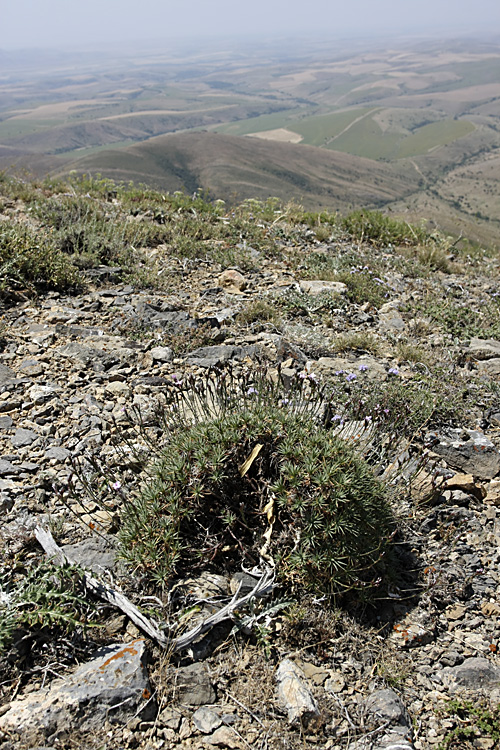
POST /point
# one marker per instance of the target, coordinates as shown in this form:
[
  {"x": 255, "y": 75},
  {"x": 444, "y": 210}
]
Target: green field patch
[
  {"x": 14, "y": 128},
  {"x": 472, "y": 73},
  {"x": 80, "y": 152},
  {"x": 258, "y": 124},
  {"x": 366, "y": 138},
  {"x": 319, "y": 129},
  {"x": 435, "y": 134}
]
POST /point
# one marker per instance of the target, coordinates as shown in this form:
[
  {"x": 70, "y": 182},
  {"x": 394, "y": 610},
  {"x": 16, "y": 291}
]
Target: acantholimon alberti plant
[{"x": 253, "y": 473}]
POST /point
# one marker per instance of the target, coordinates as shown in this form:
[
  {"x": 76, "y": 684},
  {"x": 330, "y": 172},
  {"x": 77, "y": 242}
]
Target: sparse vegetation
[
  {"x": 32, "y": 261},
  {"x": 472, "y": 721},
  {"x": 38, "y": 598},
  {"x": 357, "y": 341},
  {"x": 260, "y": 311}
]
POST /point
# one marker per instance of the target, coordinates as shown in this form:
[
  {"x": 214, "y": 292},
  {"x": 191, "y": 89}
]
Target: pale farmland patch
[
  {"x": 279, "y": 134},
  {"x": 58, "y": 109}
]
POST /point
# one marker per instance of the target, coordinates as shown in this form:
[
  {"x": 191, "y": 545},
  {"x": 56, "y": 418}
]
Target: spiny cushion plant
[{"x": 260, "y": 479}]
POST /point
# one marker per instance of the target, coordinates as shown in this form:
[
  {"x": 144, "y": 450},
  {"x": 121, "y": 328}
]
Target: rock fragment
[
  {"x": 232, "y": 280},
  {"x": 474, "y": 673},
  {"x": 470, "y": 451},
  {"x": 193, "y": 685},
  {"x": 483, "y": 348},
  {"x": 385, "y": 711},
  {"x": 294, "y": 693},
  {"x": 161, "y": 354},
  {"x": 316, "y": 287},
  {"x": 206, "y": 720},
  {"x": 112, "y": 686}
]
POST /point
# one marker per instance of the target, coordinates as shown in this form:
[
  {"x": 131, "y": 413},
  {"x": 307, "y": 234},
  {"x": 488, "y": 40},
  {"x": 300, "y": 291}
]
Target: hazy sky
[{"x": 59, "y": 23}]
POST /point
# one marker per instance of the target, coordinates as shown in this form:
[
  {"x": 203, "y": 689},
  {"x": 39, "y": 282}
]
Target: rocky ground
[{"x": 71, "y": 368}]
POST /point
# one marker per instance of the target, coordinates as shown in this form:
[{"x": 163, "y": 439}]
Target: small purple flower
[
  {"x": 363, "y": 368},
  {"x": 284, "y": 401},
  {"x": 339, "y": 372},
  {"x": 393, "y": 371},
  {"x": 251, "y": 391},
  {"x": 337, "y": 418},
  {"x": 313, "y": 377},
  {"x": 351, "y": 377},
  {"x": 116, "y": 485}
]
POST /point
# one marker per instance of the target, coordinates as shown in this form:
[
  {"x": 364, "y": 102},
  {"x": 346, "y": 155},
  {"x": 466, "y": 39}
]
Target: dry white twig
[{"x": 263, "y": 586}]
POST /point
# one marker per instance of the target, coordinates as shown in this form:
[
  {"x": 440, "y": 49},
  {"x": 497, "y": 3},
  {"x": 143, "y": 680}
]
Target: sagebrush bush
[
  {"x": 31, "y": 261},
  {"x": 260, "y": 480}
]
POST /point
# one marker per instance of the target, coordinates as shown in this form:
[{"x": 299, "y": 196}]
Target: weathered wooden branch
[{"x": 114, "y": 597}]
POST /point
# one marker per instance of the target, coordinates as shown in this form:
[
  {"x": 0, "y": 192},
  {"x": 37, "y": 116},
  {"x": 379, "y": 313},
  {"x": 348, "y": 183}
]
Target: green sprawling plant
[
  {"x": 471, "y": 722},
  {"x": 249, "y": 475},
  {"x": 39, "y": 597}
]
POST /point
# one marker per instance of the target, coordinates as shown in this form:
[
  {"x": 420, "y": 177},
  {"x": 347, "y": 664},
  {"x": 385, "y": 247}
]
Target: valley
[{"x": 411, "y": 126}]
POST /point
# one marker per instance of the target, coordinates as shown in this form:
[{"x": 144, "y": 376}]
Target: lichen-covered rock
[{"x": 112, "y": 686}]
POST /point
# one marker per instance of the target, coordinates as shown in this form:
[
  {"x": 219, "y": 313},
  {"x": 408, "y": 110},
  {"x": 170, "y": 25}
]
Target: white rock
[{"x": 294, "y": 692}]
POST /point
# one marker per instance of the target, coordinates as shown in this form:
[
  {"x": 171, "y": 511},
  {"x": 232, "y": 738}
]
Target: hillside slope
[{"x": 231, "y": 166}]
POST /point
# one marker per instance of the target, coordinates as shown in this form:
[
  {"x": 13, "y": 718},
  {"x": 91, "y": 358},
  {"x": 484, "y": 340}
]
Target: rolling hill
[{"x": 238, "y": 167}]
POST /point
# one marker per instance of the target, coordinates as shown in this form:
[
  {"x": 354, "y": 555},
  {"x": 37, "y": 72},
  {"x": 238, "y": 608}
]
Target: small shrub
[
  {"x": 411, "y": 353},
  {"x": 364, "y": 286},
  {"x": 252, "y": 474},
  {"x": 381, "y": 230},
  {"x": 31, "y": 261},
  {"x": 434, "y": 256},
  {"x": 261, "y": 310},
  {"x": 361, "y": 341}
]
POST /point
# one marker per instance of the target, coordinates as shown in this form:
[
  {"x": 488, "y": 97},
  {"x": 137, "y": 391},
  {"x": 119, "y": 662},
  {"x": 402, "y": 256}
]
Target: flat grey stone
[
  {"x": 7, "y": 468},
  {"x": 162, "y": 354},
  {"x": 483, "y": 348},
  {"x": 391, "y": 320},
  {"x": 385, "y": 709},
  {"x": 211, "y": 356},
  {"x": 468, "y": 450},
  {"x": 365, "y": 367},
  {"x": 28, "y": 466},
  {"x": 94, "y": 553},
  {"x": 7, "y": 484},
  {"x": 41, "y": 393},
  {"x": 113, "y": 685},
  {"x": 6, "y": 374},
  {"x": 5, "y": 422},
  {"x": 223, "y": 737},
  {"x": 206, "y": 720},
  {"x": 6, "y": 502},
  {"x": 489, "y": 366},
  {"x": 30, "y": 368},
  {"x": 387, "y": 705},
  {"x": 9, "y": 405},
  {"x": 57, "y": 453},
  {"x": 475, "y": 672},
  {"x": 194, "y": 687},
  {"x": 23, "y": 437},
  {"x": 315, "y": 287}
]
